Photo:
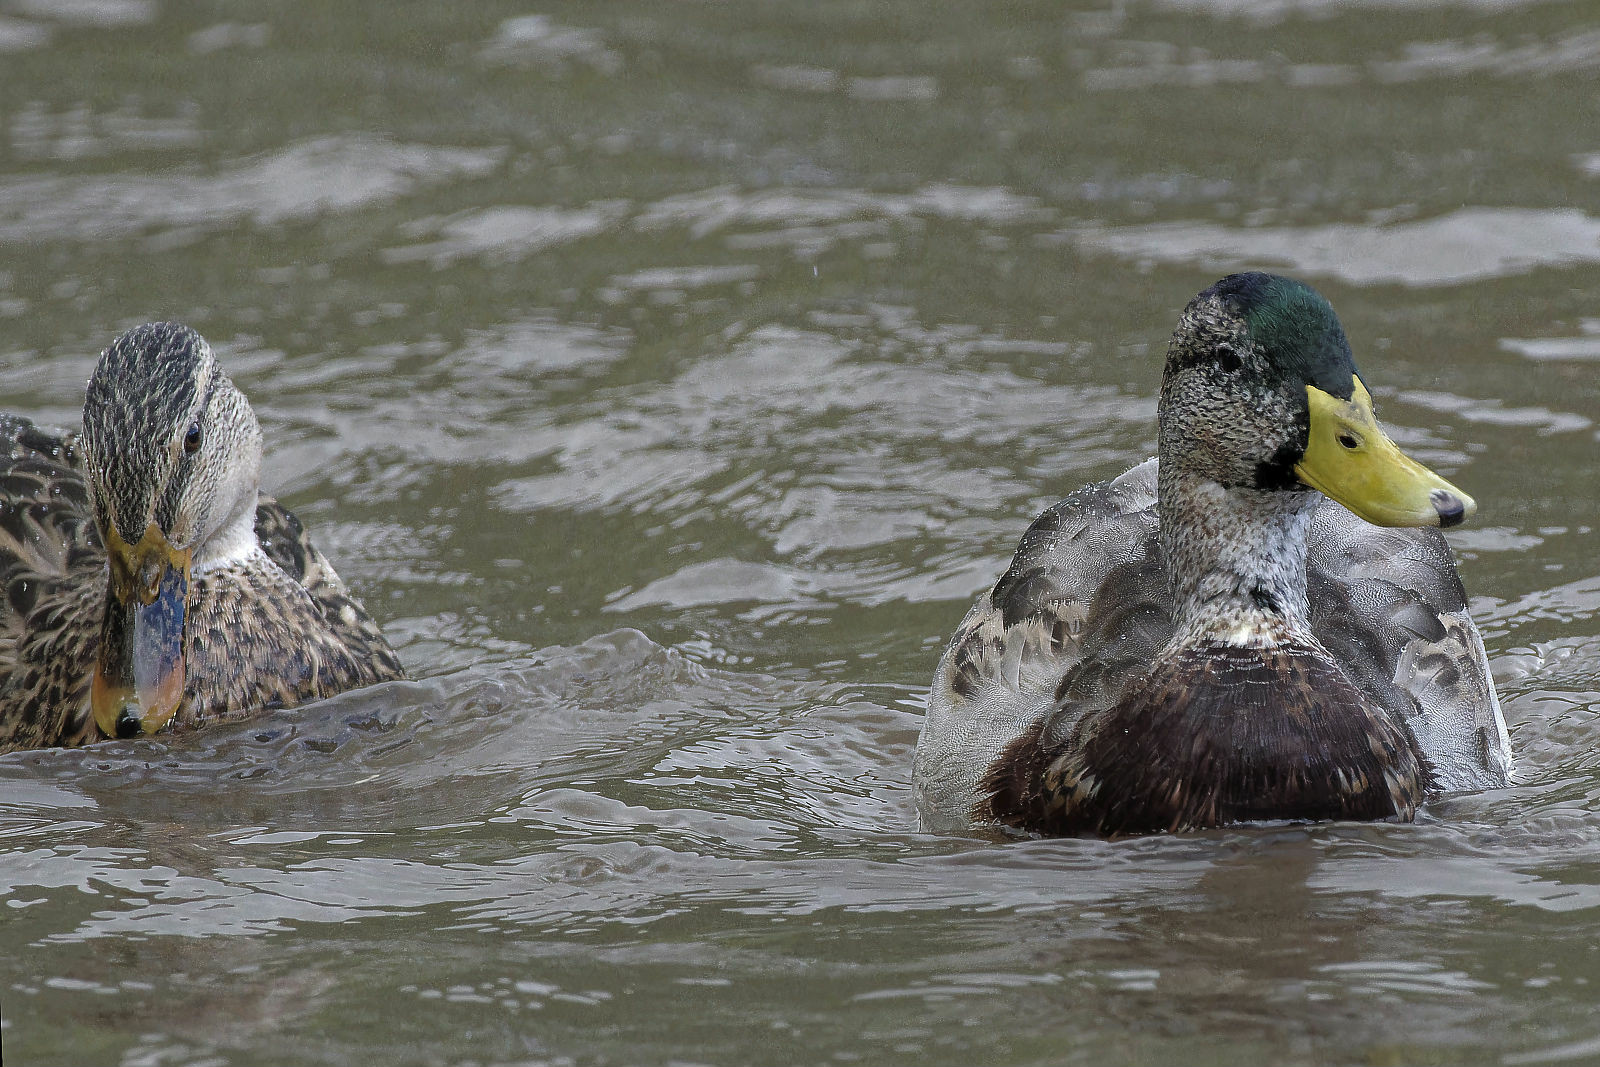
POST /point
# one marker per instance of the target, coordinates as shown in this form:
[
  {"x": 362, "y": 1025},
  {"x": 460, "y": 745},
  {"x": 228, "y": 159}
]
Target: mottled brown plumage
[{"x": 269, "y": 624}]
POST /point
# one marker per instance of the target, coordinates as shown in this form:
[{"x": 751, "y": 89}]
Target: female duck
[
  {"x": 1233, "y": 633},
  {"x": 146, "y": 577}
]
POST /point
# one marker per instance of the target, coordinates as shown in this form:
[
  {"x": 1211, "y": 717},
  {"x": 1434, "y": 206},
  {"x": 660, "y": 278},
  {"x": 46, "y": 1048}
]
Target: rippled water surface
[{"x": 668, "y": 377}]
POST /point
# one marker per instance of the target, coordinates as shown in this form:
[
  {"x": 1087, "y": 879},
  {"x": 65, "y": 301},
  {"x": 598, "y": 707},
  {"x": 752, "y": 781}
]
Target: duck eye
[
  {"x": 1348, "y": 439},
  {"x": 191, "y": 440}
]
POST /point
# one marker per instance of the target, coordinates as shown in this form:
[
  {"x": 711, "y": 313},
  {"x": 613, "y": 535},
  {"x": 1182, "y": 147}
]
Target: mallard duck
[
  {"x": 1262, "y": 623},
  {"x": 147, "y": 579}
]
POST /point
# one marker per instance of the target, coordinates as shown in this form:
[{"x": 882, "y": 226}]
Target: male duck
[
  {"x": 211, "y": 600},
  {"x": 1212, "y": 638}
]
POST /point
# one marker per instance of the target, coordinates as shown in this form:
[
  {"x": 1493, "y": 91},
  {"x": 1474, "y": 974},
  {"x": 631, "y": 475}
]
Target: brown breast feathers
[{"x": 1218, "y": 734}]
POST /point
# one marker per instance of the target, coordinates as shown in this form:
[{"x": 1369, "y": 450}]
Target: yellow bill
[
  {"x": 1349, "y": 458},
  {"x": 140, "y": 675}
]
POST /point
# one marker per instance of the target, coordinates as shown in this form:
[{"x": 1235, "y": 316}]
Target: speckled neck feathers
[{"x": 1236, "y": 559}]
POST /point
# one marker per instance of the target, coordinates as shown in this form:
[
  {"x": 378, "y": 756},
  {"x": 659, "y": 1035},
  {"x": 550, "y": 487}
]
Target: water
[{"x": 668, "y": 379}]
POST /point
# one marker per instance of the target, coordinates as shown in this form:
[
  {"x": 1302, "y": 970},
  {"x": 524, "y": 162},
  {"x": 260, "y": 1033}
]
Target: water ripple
[
  {"x": 1469, "y": 245},
  {"x": 322, "y": 175}
]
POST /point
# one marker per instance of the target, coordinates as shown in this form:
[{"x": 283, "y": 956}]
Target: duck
[
  {"x": 148, "y": 582},
  {"x": 1262, "y": 623}
]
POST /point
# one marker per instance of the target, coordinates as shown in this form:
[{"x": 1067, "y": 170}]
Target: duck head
[
  {"x": 1261, "y": 392},
  {"x": 173, "y": 456}
]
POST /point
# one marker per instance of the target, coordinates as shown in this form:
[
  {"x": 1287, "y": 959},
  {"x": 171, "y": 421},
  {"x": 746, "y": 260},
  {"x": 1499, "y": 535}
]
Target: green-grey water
[{"x": 667, "y": 378}]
